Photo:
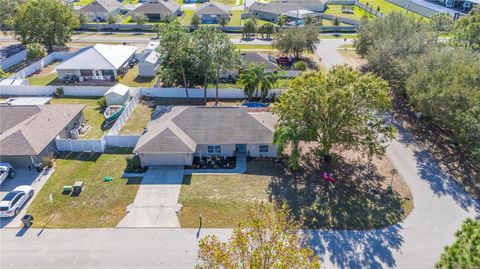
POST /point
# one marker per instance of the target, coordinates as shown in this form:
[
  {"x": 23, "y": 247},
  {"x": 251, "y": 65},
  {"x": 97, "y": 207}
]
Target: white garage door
[{"x": 164, "y": 159}]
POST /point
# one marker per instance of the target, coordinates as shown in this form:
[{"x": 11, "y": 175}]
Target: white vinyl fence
[
  {"x": 123, "y": 141},
  {"x": 40, "y": 64},
  {"x": 92, "y": 145},
  {"x": 120, "y": 122},
  {"x": 6, "y": 63},
  {"x": 80, "y": 145},
  {"x": 26, "y": 90},
  {"x": 199, "y": 93}
]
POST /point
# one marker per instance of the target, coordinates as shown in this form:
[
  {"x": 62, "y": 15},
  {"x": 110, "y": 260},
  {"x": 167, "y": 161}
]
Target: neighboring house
[
  {"x": 24, "y": 101},
  {"x": 186, "y": 132},
  {"x": 147, "y": 67},
  {"x": 117, "y": 95},
  {"x": 294, "y": 10},
  {"x": 158, "y": 10},
  {"x": 251, "y": 58},
  {"x": 213, "y": 12},
  {"x": 12, "y": 55},
  {"x": 99, "y": 62},
  {"x": 99, "y": 10},
  {"x": 27, "y": 133}
]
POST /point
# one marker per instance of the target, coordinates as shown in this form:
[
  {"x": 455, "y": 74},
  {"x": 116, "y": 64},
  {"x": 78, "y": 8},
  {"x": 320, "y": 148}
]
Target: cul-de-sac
[{"x": 235, "y": 134}]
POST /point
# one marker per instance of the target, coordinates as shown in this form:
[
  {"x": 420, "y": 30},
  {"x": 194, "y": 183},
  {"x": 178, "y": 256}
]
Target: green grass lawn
[
  {"x": 138, "y": 120},
  {"x": 348, "y": 204},
  {"x": 100, "y": 204},
  {"x": 133, "y": 80},
  {"x": 44, "y": 80},
  {"x": 226, "y": 2},
  {"x": 235, "y": 18},
  {"x": 257, "y": 47},
  {"x": 220, "y": 199},
  {"x": 82, "y": 2},
  {"x": 186, "y": 18},
  {"x": 336, "y": 10},
  {"x": 93, "y": 116},
  {"x": 387, "y": 7}
]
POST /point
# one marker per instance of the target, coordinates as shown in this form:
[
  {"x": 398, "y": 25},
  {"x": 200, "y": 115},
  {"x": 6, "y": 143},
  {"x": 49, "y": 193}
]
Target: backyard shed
[
  {"x": 149, "y": 65},
  {"x": 117, "y": 95}
]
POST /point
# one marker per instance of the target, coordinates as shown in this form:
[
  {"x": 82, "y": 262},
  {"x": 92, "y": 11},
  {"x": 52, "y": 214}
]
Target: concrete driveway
[
  {"x": 23, "y": 177},
  {"x": 156, "y": 202}
]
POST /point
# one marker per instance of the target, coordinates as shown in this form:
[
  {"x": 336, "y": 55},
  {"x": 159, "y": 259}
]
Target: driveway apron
[{"x": 156, "y": 202}]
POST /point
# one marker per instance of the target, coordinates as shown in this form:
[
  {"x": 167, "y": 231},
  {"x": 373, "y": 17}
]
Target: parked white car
[
  {"x": 13, "y": 202},
  {"x": 6, "y": 170}
]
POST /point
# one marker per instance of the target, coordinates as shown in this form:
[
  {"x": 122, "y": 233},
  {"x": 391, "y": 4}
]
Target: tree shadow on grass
[{"x": 356, "y": 201}]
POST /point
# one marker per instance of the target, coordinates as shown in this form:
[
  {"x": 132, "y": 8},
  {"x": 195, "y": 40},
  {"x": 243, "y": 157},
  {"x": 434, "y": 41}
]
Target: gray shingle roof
[
  {"x": 102, "y": 6},
  {"x": 212, "y": 8},
  {"x": 27, "y": 130},
  {"x": 157, "y": 7},
  {"x": 205, "y": 125},
  {"x": 257, "y": 58}
]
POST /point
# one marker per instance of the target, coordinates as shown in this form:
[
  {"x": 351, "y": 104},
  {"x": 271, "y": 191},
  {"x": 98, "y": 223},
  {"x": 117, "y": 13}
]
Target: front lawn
[
  {"x": 254, "y": 47},
  {"x": 358, "y": 200},
  {"x": 93, "y": 115},
  {"x": 100, "y": 204},
  {"x": 132, "y": 79},
  {"x": 138, "y": 120},
  {"x": 387, "y": 7},
  {"x": 235, "y": 18},
  {"x": 186, "y": 18},
  {"x": 336, "y": 10}
]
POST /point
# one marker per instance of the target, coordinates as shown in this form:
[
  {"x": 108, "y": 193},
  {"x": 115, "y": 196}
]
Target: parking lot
[{"x": 23, "y": 177}]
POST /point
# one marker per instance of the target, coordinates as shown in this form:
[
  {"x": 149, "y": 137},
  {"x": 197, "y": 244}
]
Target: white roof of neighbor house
[
  {"x": 102, "y": 6},
  {"x": 99, "y": 56},
  {"x": 119, "y": 89},
  {"x": 31, "y": 101},
  {"x": 152, "y": 57},
  {"x": 153, "y": 45}
]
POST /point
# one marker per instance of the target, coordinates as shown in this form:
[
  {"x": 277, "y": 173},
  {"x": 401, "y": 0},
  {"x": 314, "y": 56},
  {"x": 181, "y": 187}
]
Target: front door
[
  {"x": 97, "y": 74},
  {"x": 240, "y": 148}
]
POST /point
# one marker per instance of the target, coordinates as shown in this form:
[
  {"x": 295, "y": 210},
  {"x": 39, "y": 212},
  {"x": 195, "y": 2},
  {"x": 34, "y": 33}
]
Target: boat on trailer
[{"x": 113, "y": 112}]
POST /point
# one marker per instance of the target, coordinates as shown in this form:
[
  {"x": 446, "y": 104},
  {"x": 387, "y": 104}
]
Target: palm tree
[
  {"x": 112, "y": 20},
  {"x": 289, "y": 135},
  {"x": 251, "y": 79},
  {"x": 266, "y": 83},
  {"x": 281, "y": 20}
]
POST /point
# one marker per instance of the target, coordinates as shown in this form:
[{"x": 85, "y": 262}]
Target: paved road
[
  {"x": 327, "y": 51},
  {"x": 156, "y": 200},
  {"x": 440, "y": 208}
]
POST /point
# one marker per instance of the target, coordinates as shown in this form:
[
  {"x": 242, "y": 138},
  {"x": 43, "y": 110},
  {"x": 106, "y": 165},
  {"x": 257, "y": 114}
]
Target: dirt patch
[{"x": 351, "y": 57}]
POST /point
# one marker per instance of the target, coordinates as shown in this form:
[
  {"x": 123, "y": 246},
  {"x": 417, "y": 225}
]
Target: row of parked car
[{"x": 13, "y": 202}]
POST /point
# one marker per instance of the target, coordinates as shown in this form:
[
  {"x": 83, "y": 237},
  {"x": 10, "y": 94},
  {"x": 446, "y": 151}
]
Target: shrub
[
  {"x": 133, "y": 164},
  {"x": 35, "y": 51},
  {"x": 3, "y": 74},
  {"x": 59, "y": 92},
  {"x": 300, "y": 65},
  {"x": 102, "y": 102}
]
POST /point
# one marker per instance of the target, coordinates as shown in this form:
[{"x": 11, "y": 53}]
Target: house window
[
  {"x": 214, "y": 149},
  {"x": 263, "y": 148},
  {"x": 107, "y": 72},
  {"x": 86, "y": 73}
]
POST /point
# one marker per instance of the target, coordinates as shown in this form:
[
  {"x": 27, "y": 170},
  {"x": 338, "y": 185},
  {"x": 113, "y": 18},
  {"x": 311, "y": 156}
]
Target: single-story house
[
  {"x": 147, "y": 67},
  {"x": 100, "y": 10},
  {"x": 293, "y": 9},
  {"x": 248, "y": 58},
  {"x": 117, "y": 95},
  {"x": 98, "y": 62},
  {"x": 186, "y": 132},
  {"x": 27, "y": 133},
  {"x": 212, "y": 12},
  {"x": 159, "y": 10}
]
